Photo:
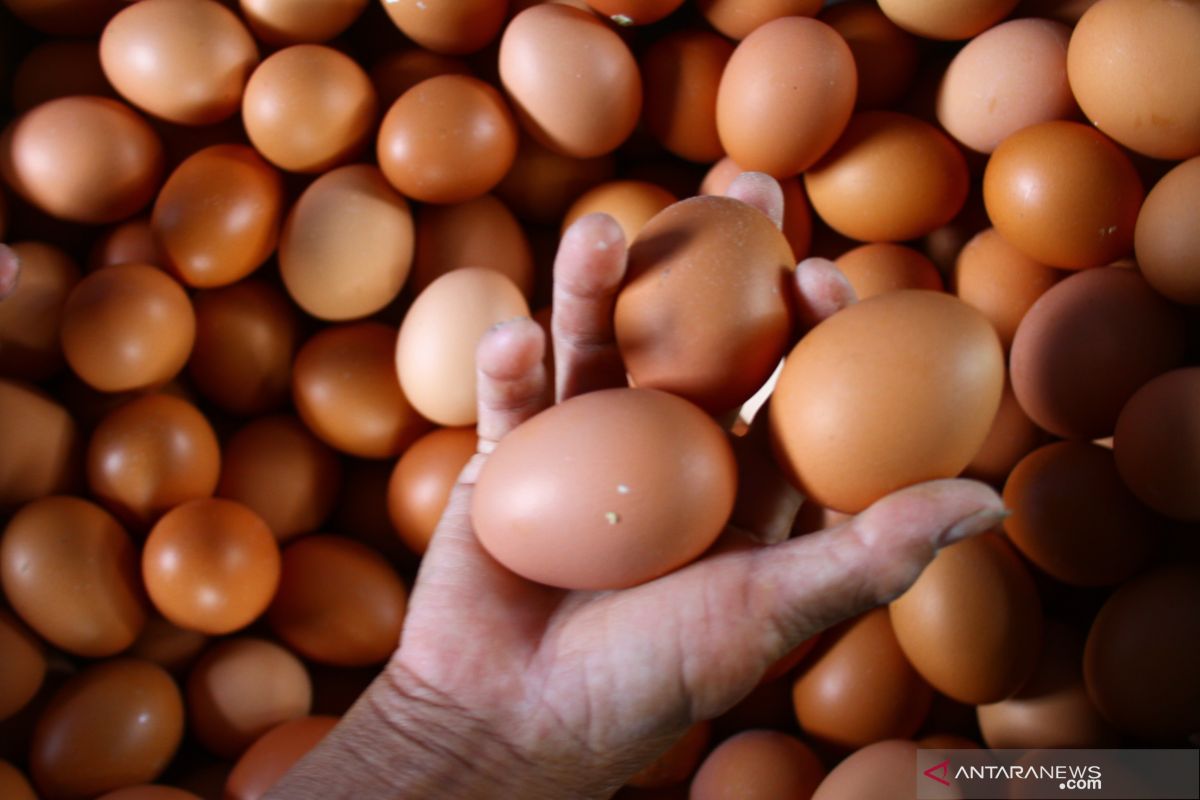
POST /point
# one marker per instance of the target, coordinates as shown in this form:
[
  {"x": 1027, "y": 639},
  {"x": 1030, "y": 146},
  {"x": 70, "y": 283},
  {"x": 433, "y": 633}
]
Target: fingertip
[
  {"x": 10, "y": 270},
  {"x": 510, "y": 349},
  {"x": 822, "y": 290},
  {"x": 760, "y": 190},
  {"x": 595, "y": 231}
]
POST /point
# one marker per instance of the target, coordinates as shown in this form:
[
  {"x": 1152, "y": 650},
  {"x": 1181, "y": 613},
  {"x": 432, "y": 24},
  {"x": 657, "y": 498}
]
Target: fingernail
[
  {"x": 504, "y": 323},
  {"x": 972, "y": 525}
]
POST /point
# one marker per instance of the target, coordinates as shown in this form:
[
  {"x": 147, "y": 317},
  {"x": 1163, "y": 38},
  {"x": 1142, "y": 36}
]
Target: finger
[
  {"x": 766, "y": 504},
  {"x": 588, "y": 271},
  {"x": 821, "y": 291},
  {"x": 760, "y": 190},
  {"x": 510, "y": 378},
  {"x": 10, "y": 271}
]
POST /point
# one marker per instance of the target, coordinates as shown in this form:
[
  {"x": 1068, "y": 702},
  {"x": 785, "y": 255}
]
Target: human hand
[{"x": 506, "y": 688}]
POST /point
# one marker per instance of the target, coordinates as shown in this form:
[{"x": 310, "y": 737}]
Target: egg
[
  {"x": 885, "y": 267},
  {"x": 280, "y": 22},
  {"x": 308, "y": 108},
  {"x": 883, "y": 769},
  {"x": 680, "y": 73},
  {"x": 758, "y": 765},
  {"x": 977, "y": 594},
  {"x": 797, "y": 215},
  {"x": 129, "y": 242},
  {"x": 64, "y": 17},
  {"x": 738, "y": 18},
  {"x": 186, "y": 61},
  {"x": 149, "y": 792},
  {"x": 635, "y": 12},
  {"x": 631, "y": 203},
  {"x": 14, "y": 785},
  {"x": 24, "y": 666},
  {"x": 400, "y": 70},
  {"x": 339, "y": 602},
  {"x": 39, "y": 445},
  {"x": 785, "y": 96},
  {"x": 679, "y": 762},
  {"x": 273, "y": 754},
  {"x": 1011, "y": 437},
  {"x": 82, "y": 159},
  {"x": 450, "y": 28},
  {"x": 1086, "y": 345},
  {"x": 478, "y": 233},
  {"x": 573, "y": 83},
  {"x": 345, "y": 390},
  {"x": 217, "y": 216},
  {"x": 605, "y": 468},
  {"x": 1166, "y": 243},
  {"x": 889, "y": 392},
  {"x": 59, "y": 68},
  {"x": 70, "y": 570},
  {"x": 448, "y": 139},
  {"x": 421, "y": 481},
  {"x": 687, "y": 320},
  {"x": 115, "y": 724},
  {"x": 542, "y": 183},
  {"x": 347, "y": 245},
  {"x": 169, "y": 646},
  {"x": 435, "y": 351},
  {"x": 279, "y": 470},
  {"x": 31, "y": 315},
  {"x": 960, "y": 19},
  {"x": 885, "y": 56}
]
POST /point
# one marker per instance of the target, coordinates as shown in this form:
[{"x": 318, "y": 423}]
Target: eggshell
[
  {"x": 892, "y": 391},
  {"x": 58, "y": 68},
  {"x": 758, "y": 765},
  {"x": 1165, "y": 238},
  {"x": 171, "y": 647},
  {"x": 885, "y": 56},
  {"x": 1063, "y": 194},
  {"x": 1147, "y": 99},
  {"x": 738, "y": 18},
  {"x": 455, "y": 28},
  {"x": 185, "y": 61},
  {"x": 946, "y": 19},
  {"x": 347, "y": 245},
  {"x": 421, "y": 482},
  {"x": 858, "y": 687},
  {"x": 573, "y": 83},
  {"x": 129, "y": 242},
  {"x": 705, "y": 312},
  {"x": 884, "y": 769},
  {"x": 593, "y": 493},
  {"x": 797, "y": 215},
  {"x": 885, "y": 267},
  {"x": 217, "y": 216},
  {"x": 39, "y": 445},
  {"x": 345, "y": 389},
  {"x": 478, "y": 233},
  {"x": 400, "y": 70},
  {"x": 82, "y": 159},
  {"x": 308, "y": 108},
  {"x": 261, "y": 766},
  {"x": 23, "y": 668},
  {"x": 447, "y": 140},
  {"x": 435, "y": 351},
  {"x": 1087, "y": 345},
  {"x": 151, "y": 454},
  {"x": 542, "y": 183},
  {"x": 631, "y": 203},
  {"x": 339, "y": 602},
  {"x": 14, "y": 785},
  {"x": 31, "y": 314},
  {"x": 279, "y": 470},
  {"x": 679, "y": 762},
  {"x": 115, "y": 724},
  {"x": 972, "y": 623},
  {"x": 70, "y": 570},
  {"x": 785, "y": 96},
  {"x": 149, "y": 792},
  {"x": 680, "y": 73},
  {"x": 1011, "y": 437},
  {"x": 64, "y": 17},
  {"x": 282, "y": 22}
]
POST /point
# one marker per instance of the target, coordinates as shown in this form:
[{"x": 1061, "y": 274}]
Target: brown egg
[
  {"x": 14, "y": 785},
  {"x": 1155, "y": 444},
  {"x": 149, "y": 792},
  {"x": 885, "y": 267},
  {"x": 171, "y": 647},
  {"x": 1166, "y": 240},
  {"x": 885, "y": 56},
  {"x": 345, "y": 389},
  {"x": 958, "y": 19},
  {"x": 400, "y": 70},
  {"x": 246, "y": 335},
  {"x": 797, "y": 216},
  {"x": 679, "y": 762},
  {"x": 1087, "y": 345},
  {"x": 23, "y": 668},
  {"x": 39, "y": 445},
  {"x": 324, "y": 265},
  {"x": 1052, "y": 710},
  {"x": 478, "y": 233},
  {"x": 681, "y": 72},
  {"x": 890, "y": 177},
  {"x": 308, "y": 108},
  {"x": 978, "y": 595},
  {"x": 115, "y": 724},
  {"x": 572, "y": 81},
  {"x": 31, "y": 314},
  {"x": 1063, "y": 194},
  {"x": 542, "y": 183},
  {"x": 339, "y": 602},
  {"x": 738, "y": 18},
  {"x": 64, "y": 17},
  {"x": 631, "y": 203},
  {"x": 858, "y": 688},
  {"x": 452, "y": 28},
  {"x": 218, "y": 215},
  {"x": 421, "y": 482},
  {"x": 58, "y": 68},
  {"x": 687, "y": 322},
  {"x": 946, "y": 741},
  {"x": 448, "y": 139},
  {"x": 1011, "y": 437},
  {"x": 280, "y": 471},
  {"x": 151, "y": 454},
  {"x": 635, "y": 12},
  {"x": 240, "y": 689},
  {"x": 185, "y": 61},
  {"x": 82, "y": 159},
  {"x": 785, "y": 96},
  {"x": 435, "y": 351},
  {"x": 1143, "y": 652},
  {"x": 70, "y": 570},
  {"x": 128, "y": 326},
  {"x": 999, "y": 280},
  {"x": 884, "y": 769},
  {"x": 1073, "y": 517},
  {"x": 758, "y": 765},
  {"x": 282, "y": 22},
  {"x": 1156, "y": 41},
  {"x": 889, "y": 392},
  {"x": 131, "y": 242},
  {"x": 261, "y": 766},
  {"x": 604, "y": 466},
  {"x": 362, "y": 509},
  {"x": 211, "y": 565}
]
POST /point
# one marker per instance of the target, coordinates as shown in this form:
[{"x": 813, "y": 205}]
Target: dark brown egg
[
  {"x": 885, "y": 267},
  {"x": 150, "y": 455},
  {"x": 279, "y": 470},
  {"x": 31, "y": 315},
  {"x": 1011, "y": 437},
  {"x": 339, "y": 602},
  {"x": 59, "y": 68},
  {"x": 211, "y": 565},
  {"x": 14, "y": 785},
  {"x": 70, "y": 570},
  {"x": 400, "y": 70},
  {"x": 65, "y": 17},
  {"x": 130, "y": 242},
  {"x": 885, "y": 55},
  {"x": 261, "y": 766},
  {"x": 421, "y": 482},
  {"x": 478, "y": 233},
  {"x": 681, "y": 72},
  {"x": 758, "y": 765},
  {"x": 282, "y": 22},
  {"x": 164, "y": 643},
  {"x": 149, "y": 792},
  {"x": 39, "y": 445},
  {"x": 23, "y": 668},
  {"x": 1156, "y": 444},
  {"x": 542, "y": 183},
  {"x": 115, "y": 724}
]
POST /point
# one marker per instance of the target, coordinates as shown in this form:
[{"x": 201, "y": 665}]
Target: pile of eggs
[{"x": 251, "y": 246}]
